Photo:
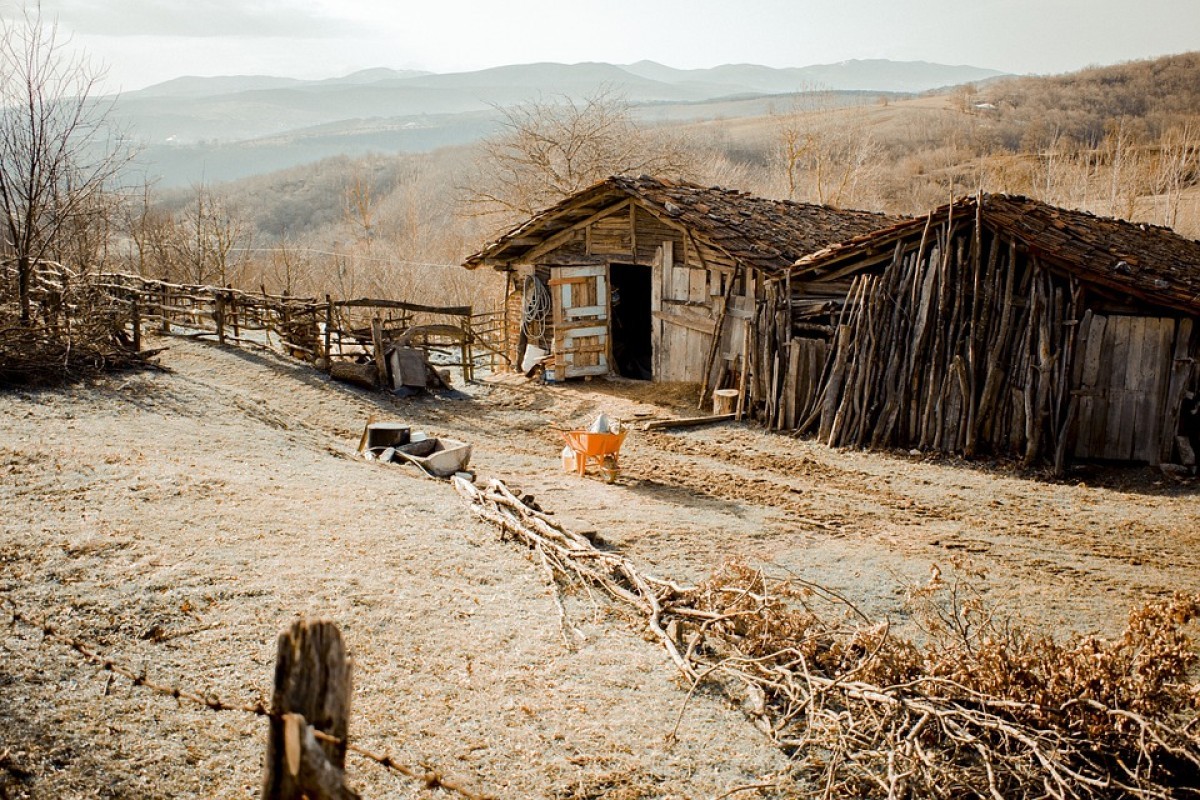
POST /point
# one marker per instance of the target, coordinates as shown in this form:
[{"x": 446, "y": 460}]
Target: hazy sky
[{"x": 152, "y": 40}]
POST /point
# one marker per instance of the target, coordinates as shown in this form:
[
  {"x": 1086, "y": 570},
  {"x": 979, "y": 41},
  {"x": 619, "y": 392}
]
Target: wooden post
[
  {"x": 135, "y": 319},
  {"x": 741, "y": 398},
  {"x": 166, "y": 314},
  {"x": 328, "y": 331},
  {"x": 219, "y": 316},
  {"x": 377, "y": 341},
  {"x": 714, "y": 347},
  {"x": 467, "y": 358},
  {"x": 233, "y": 314},
  {"x": 312, "y": 691}
]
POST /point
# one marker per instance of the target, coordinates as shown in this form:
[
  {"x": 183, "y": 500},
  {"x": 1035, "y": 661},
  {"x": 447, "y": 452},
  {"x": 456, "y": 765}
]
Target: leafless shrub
[{"x": 76, "y": 329}]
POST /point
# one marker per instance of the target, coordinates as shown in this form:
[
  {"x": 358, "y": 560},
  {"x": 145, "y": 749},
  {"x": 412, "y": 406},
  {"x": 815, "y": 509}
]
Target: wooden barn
[
  {"x": 659, "y": 280},
  {"x": 1002, "y": 325}
]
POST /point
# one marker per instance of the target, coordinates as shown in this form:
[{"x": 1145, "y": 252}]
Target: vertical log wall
[{"x": 966, "y": 344}]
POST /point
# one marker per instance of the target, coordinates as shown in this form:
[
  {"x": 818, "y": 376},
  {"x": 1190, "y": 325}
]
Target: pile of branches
[
  {"x": 77, "y": 330},
  {"x": 977, "y": 707}
]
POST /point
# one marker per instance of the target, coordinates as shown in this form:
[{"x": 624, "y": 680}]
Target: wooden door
[
  {"x": 1122, "y": 375},
  {"x": 581, "y": 320}
]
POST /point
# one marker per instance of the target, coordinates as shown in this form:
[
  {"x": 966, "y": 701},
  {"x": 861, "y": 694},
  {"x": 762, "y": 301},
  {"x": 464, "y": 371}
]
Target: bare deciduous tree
[
  {"x": 213, "y": 232},
  {"x": 1177, "y": 163},
  {"x": 57, "y": 154},
  {"x": 827, "y": 153},
  {"x": 548, "y": 150}
]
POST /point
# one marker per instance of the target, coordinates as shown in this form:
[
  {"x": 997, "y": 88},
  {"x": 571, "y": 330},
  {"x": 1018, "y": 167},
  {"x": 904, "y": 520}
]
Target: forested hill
[{"x": 1150, "y": 95}]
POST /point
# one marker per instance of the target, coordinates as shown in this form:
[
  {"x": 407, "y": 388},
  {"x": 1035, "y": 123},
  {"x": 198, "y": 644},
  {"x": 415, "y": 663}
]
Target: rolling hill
[{"x": 222, "y": 128}]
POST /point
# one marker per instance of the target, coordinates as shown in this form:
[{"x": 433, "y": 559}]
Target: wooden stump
[
  {"x": 724, "y": 401},
  {"x": 312, "y": 691}
]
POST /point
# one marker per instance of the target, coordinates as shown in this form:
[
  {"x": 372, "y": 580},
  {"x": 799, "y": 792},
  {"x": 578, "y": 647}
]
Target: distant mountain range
[{"x": 227, "y": 127}]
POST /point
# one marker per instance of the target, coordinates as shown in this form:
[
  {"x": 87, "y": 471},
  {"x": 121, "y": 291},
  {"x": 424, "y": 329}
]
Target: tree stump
[
  {"x": 724, "y": 401},
  {"x": 312, "y": 692}
]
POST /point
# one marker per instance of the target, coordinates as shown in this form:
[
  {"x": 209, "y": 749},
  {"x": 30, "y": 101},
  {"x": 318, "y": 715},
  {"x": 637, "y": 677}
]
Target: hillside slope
[{"x": 199, "y": 512}]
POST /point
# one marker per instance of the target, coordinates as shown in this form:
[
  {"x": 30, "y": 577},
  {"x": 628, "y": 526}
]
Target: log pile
[{"x": 980, "y": 708}]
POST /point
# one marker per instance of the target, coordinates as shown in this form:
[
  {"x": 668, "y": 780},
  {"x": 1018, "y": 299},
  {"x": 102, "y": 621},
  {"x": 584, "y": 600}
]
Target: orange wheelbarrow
[{"x": 594, "y": 449}]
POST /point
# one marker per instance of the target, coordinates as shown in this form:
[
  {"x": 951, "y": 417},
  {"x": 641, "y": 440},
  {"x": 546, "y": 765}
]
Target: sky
[{"x": 149, "y": 41}]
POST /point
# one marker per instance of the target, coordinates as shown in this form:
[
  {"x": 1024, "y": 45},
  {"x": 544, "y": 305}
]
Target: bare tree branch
[{"x": 57, "y": 157}]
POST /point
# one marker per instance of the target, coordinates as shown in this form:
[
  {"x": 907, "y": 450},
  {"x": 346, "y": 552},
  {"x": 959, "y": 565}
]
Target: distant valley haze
[
  {"x": 220, "y": 89},
  {"x": 228, "y": 127},
  {"x": 147, "y": 43}
]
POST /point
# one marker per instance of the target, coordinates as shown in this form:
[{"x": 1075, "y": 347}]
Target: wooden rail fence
[{"x": 320, "y": 331}]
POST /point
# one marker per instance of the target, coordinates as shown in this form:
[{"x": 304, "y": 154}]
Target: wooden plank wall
[
  {"x": 972, "y": 345},
  {"x": 1128, "y": 401},
  {"x": 689, "y": 284}
]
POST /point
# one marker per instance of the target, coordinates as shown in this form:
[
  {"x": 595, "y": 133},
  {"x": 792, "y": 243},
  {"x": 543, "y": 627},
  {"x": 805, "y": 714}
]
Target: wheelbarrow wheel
[{"x": 609, "y": 469}]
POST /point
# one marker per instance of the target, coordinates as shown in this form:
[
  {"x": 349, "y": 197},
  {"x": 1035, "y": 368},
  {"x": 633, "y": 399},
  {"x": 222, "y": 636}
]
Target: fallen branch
[{"x": 982, "y": 709}]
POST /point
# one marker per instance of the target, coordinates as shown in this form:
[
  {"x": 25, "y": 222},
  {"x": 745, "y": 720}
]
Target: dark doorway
[{"x": 632, "y": 345}]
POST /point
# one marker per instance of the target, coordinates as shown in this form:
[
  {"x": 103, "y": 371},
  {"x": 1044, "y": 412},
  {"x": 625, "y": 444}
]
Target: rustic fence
[{"x": 323, "y": 332}]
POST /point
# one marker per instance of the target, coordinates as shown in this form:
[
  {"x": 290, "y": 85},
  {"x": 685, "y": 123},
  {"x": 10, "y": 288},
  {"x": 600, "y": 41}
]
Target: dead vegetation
[
  {"x": 77, "y": 330},
  {"x": 978, "y": 706}
]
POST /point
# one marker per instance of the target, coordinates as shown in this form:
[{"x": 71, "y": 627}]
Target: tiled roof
[
  {"x": 1146, "y": 262},
  {"x": 766, "y": 234}
]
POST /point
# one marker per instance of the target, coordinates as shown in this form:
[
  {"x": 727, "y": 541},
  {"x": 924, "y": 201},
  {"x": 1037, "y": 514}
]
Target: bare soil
[{"x": 180, "y": 521}]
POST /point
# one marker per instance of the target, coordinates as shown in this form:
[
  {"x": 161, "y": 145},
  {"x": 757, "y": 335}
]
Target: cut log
[
  {"x": 361, "y": 374},
  {"x": 724, "y": 401}
]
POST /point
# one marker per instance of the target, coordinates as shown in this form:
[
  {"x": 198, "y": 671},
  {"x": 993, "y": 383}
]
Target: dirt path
[{"x": 180, "y": 521}]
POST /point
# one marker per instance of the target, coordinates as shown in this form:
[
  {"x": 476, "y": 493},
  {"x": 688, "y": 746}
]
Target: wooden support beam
[
  {"x": 565, "y": 234},
  {"x": 685, "y": 422}
]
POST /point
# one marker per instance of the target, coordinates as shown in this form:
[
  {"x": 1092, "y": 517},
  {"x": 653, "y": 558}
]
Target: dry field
[{"x": 180, "y": 521}]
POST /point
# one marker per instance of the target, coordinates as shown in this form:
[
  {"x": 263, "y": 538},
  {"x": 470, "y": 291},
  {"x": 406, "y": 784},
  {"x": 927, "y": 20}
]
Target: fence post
[
  {"x": 135, "y": 318},
  {"x": 312, "y": 691},
  {"x": 219, "y": 316},
  {"x": 329, "y": 332},
  {"x": 468, "y": 357},
  {"x": 233, "y": 315},
  {"x": 380, "y": 357},
  {"x": 166, "y": 304}
]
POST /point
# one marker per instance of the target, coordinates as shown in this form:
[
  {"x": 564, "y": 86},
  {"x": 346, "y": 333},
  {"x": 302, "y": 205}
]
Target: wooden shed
[
  {"x": 1001, "y": 324},
  {"x": 659, "y": 280}
]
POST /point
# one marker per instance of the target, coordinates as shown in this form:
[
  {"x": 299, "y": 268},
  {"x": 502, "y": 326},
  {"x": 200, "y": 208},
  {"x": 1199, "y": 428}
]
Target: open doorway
[{"x": 632, "y": 343}]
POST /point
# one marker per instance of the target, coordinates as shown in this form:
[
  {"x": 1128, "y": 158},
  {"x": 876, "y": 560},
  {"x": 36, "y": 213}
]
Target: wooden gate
[{"x": 581, "y": 313}]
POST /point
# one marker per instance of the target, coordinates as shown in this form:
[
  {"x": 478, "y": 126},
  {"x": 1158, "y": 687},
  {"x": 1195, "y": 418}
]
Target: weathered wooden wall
[
  {"x": 966, "y": 343},
  {"x": 696, "y": 289}
]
